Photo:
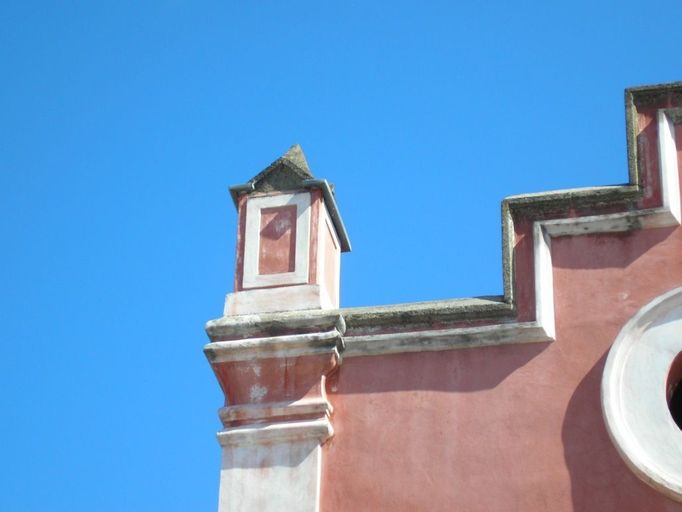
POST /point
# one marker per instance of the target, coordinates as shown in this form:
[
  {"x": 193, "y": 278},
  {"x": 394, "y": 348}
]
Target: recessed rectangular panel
[
  {"x": 276, "y": 240},
  {"x": 277, "y": 248}
]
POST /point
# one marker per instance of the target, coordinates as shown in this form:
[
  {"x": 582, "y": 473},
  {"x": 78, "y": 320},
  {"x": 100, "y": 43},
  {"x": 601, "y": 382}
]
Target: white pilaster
[{"x": 272, "y": 467}]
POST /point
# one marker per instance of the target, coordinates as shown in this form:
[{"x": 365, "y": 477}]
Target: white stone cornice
[
  {"x": 445, "y": 339},
  {"x": 251, "y": 413},
  {"x": 287, "y": 432},
  {"x": 292, "y": 345}
]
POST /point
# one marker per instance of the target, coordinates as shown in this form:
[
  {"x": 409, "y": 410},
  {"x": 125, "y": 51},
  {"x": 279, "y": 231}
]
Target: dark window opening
[
  {"x": 673, "y": 388},
  {"x": 675, "y": 404}
]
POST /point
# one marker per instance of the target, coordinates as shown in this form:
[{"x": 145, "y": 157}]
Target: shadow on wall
[
  {"x": 469, "y": 371},
  {"x": 618, "y": 249},
  {"x": 600, "y": 480}
]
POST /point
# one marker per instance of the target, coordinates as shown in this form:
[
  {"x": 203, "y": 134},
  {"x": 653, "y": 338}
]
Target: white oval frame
[{"x": 633, "y": 394}]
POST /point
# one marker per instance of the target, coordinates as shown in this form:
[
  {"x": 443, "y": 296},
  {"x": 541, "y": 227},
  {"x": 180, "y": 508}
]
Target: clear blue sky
[{"x": 123, "y": 124}]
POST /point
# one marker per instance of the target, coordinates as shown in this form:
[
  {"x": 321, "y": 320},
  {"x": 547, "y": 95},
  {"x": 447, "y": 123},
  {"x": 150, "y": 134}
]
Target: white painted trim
[
  {"x": 292, "y": 345},
  {"x": 254, "y": 205},
  {"x": 286, "y": 432},
  {"x": 270, "y": 300},
  {"x": 544, "y": 279},
  {"x": 276, "y": 410},
  {"x": 633, "y": 394},
  {"x": 667, "y": 150}
]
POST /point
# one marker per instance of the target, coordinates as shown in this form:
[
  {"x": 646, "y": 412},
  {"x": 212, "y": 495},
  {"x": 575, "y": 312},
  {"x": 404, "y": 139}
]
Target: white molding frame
[
  {"x": 318, "y": 429},
  {"x": 269, "y": 300},
  {"x": 254, "y": 205},
  {"x": 543, "y": 328},
  {"x": 286, "y": 346},
  {"x": 444, "y": 339},
  {"x": 250, "y": 413},
  {"x": 667, "y": 150},
  {"x": 633, "y": 394}
]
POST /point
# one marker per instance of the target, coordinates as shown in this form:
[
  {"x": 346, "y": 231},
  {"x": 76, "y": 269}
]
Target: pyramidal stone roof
[
  {"x": 291, "y": 172},
  {"x": 288, "y": 172}
]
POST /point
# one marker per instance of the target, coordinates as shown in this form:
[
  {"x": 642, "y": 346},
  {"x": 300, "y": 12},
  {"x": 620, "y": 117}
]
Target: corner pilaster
[{"x": 276, "y": 415}]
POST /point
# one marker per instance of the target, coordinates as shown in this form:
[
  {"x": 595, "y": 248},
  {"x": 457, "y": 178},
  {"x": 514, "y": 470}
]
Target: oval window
[{"x": 642, "y": 394}]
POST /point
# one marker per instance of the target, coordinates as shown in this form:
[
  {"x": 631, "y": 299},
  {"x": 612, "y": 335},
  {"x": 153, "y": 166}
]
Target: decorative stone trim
[
  {"x": 278, "y": 411},
  {"x": 634, "y": 400},
  {"x": 319, "y": 430},
  {"x": 277, "y": 415},
  {"x": 273, "y": 324},
  {"x": 252, "y": 278},
  {"x": 292, "y": 345},
  {"x": 445, "y": 339},
  {"x": 259, "y": 300}
]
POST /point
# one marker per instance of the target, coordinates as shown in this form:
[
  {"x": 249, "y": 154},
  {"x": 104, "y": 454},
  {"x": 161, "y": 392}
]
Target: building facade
[{"x": 560, "y": 395}]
